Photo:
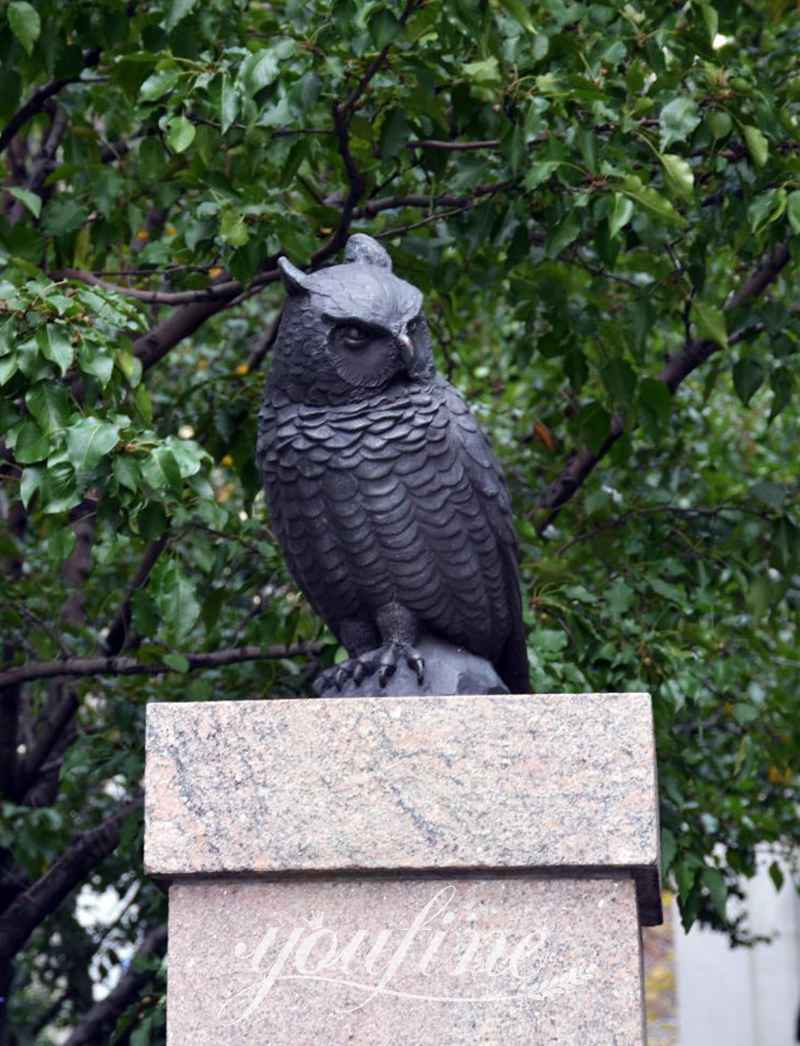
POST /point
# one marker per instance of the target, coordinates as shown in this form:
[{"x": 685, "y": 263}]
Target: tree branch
[
  {"x": 432, "y": 143},
  {"x": 264, "y": 344},
  {"x": 52, "y": 725},
  {"x": 118, "y": 629},
  {"x": 97, "y": 1025},
  {"x": 22, "y": 917},
  {"x": 676, "y": 370},
  {"x": 44, "y": 163},
  {"x": 129, "y": 666},
  {"x": 39, "y": 98},
  {"x": 375, "y": 65},
  {"x": 393, "y": 203},
  {"x": 216, "y": 292}
]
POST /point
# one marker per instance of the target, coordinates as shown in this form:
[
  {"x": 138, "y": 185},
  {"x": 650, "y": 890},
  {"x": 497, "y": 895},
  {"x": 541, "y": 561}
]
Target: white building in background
[{"x": 743, "y": 996}]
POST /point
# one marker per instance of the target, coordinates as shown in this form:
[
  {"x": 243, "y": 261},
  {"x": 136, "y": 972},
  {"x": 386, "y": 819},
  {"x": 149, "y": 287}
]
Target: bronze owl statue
[{"x": 387, "y": 501}]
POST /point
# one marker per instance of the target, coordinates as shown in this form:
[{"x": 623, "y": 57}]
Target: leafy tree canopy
[{"x": 601, "y": 202}]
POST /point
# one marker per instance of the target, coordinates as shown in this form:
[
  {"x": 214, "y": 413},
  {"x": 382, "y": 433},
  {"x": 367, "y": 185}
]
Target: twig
[
  {"x": 394, "y": 203},
  {"x": 264, "y": 345},
  {"x": 400, "y": 229},
  {"x": 375, "y": 65},
  {"x": 216, "y": 292},
  {"x": 129, "y": 666},
  {"x": 677, "y": 369},
  {"x": 431, "y": 143},
  {"x": 118, "y": 629}
]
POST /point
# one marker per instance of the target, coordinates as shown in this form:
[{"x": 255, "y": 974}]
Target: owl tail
[{"x": 512, "y": 664}]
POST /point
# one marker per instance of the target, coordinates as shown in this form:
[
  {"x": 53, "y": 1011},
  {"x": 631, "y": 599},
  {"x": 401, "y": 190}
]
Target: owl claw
[
  {"x": 386, "y": 672},
  {"x": 418, "y": 664},
  {"x": 342, "y": 675},
  {"x": 382, "y": 662}
]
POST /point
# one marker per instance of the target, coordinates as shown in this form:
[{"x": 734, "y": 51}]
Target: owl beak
[{"x": 407, "y": 350}]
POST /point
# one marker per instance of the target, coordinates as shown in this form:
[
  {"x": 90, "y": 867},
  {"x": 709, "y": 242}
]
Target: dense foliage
[{"x": 601, "y": 202}]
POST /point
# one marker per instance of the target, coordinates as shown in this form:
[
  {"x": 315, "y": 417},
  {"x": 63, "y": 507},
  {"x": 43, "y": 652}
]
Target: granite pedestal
[{"x": 376, "y": 871}]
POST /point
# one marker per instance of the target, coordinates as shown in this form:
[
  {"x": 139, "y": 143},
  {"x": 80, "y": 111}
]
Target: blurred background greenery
[{"x": 600, "y": 202}]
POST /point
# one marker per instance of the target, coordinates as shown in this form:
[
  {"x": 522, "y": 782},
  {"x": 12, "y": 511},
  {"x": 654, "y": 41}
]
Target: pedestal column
[{"x": 375, "y": 871}]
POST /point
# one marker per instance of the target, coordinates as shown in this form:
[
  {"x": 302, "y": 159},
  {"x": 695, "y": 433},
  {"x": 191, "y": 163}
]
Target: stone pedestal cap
[{"x": 543, "y": 785}]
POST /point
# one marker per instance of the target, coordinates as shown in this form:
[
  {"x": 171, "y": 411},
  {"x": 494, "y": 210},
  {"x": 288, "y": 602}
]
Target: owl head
[{"x": 350, "y": 331}]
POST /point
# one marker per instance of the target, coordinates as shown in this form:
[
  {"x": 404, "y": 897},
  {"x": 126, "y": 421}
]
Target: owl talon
[
  {"x": 341, "y": 677},
  {"x": 359, "y": 672},
  {"x": 386, "y": 672},
  {"x": 418, "y": 664}
]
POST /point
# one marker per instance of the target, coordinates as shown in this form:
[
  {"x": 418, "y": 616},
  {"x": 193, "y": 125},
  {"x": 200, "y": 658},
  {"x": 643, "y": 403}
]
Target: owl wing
[{"x": 483, "y": 502}]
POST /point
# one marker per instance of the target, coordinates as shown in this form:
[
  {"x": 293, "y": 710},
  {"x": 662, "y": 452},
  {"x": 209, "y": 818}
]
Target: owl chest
[{"x": 345, "y": 452}]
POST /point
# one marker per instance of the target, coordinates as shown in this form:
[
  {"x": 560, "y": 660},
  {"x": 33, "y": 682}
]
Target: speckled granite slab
[
  {"x": 506, "y": 784},
  {"x": 381, "y": 963}
]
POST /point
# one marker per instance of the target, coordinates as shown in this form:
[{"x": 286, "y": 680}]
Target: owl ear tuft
[
  {"x": 366, "y": 251},
  {"x": 294, "y": 280}
]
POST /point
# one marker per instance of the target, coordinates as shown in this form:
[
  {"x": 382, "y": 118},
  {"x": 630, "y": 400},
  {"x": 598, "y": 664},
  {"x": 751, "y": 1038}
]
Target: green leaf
[
  {"x": 259, "y": 70},
  {"x": 679, "y": 175},
  {"x": 520, "y": 13},
  {"x": 177, "y": 662},
  {"x": 394, "y": 134},
  {"x": 228, "y": 103},
  {"x": 232, "y": 228},
  {"x": 126, "y": 472},
  {"x": 55, "y": 345},
  {"x": 619, "y": 597},
  {"x": 384, "y": 28},
  {"x": 793, "y": 211},
  {"x": 63, "y": 216},
  {"x": 178, "y": 10},
  {"x": 757, "y": 145},
  {"x": 8, "y": 368},
  {"x": 89, "y": 440},
  {"x": 719, "y": 123},
  {"x": 652, "y": 201},
  {"x": 176, "y": 599},
  {"x": 668, "y": 850},
  {"x": 748, "y": 376},
  {"x": 98, "y": 364},
  {"x": 60, "y": 544},
  {"x": 131, "y": 367},
  {"x": 715, "y": 884},
  {"x": 49, "y": 404},
  {"x": 766, "y": 208},
  {"x": 25, "y": 23},
  {"x": 486, "y": 72},
  {"x": 677, "y": 120},
  {"x": 782, "y": 383},
  {"x": 565, "y": 233},
  {"x": 29, "y": 484},
  {"x": 540, "y": 172},
  {"x": 771, "y": 494},
  {"x": 157, "y": 85},
  {"x": 711, "y": 19},
  {"x": 655, "y": 401},
  {"x": 621, "y": 214},
  {"x": 619, "y": 379},
  {"x": 180, "y": 133},
  {"x": 710, "y": 323},
  {"x": 30, "y": 199},
  {"x": 776, "y": 875},
  {"x": 31, "y": 444}
]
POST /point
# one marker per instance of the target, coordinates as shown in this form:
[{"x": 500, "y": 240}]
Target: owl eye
[{"x": 353, "y": 337}]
